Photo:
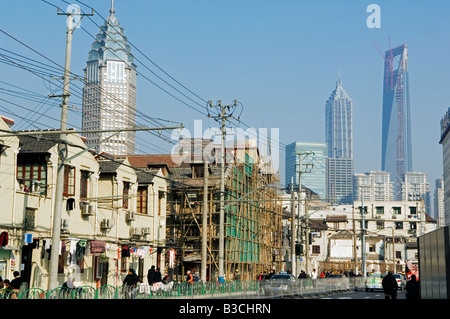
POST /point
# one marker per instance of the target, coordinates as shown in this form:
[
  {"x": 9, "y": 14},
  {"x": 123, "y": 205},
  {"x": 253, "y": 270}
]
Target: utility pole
[
  {"x": 226, "y": 111},
  {"x": 363, "y": 236},
  {"x": 204, "y": 221},
  {"x": 300, "y": 172},
  {"x": 293, "y": 257},
  {"x": 62, "y": 154}
]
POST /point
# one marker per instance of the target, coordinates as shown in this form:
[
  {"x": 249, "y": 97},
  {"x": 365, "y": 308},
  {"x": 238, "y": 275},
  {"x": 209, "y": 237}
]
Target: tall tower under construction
[
  {"x": 396, "y": 152},
  {"x": 109, "y": 93}
]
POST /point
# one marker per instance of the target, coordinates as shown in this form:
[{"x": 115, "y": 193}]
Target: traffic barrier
[{"x": 210, "y": 290}]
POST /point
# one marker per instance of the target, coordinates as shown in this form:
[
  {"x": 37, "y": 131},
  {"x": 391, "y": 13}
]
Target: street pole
[
  {"x": 292, "y": 227},
  {"x": 223, "y": 117},
  {"x": 307, "y": 243},
  {"x": 222, "y": 201},
  {"x": 299, "y": 196},
  {"x": 363, "y": 236},
  {"x": 204, "y": 221},
  {"x": 62, "y": 154}
]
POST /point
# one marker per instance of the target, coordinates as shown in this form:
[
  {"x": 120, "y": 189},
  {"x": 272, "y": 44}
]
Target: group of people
[
  {"x": 390, "y": 287},
  {"x": 263, "y": 274},
  {"x": 153, "y": 276},
  {"x": 11, "y": 287}
]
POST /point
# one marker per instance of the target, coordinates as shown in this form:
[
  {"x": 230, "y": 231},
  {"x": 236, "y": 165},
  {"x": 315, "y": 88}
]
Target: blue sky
[{"x": 280, "y": 59}]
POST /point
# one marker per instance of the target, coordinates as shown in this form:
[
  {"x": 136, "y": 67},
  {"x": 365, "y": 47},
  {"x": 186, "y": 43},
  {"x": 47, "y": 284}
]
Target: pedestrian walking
[
  {"x": 390, "y": 286},
  {"x": 130, "y": 283},
  {"x": 412, "y": 288},
  {"x": 261, "y": 276},
  {"x": 15, "y": 284},
  {"x": 314, "y": 277},
  {"x": 150, "y": 274}
]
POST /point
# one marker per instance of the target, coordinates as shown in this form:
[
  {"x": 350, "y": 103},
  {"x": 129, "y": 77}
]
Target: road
[{"x": 361, "y": 295}]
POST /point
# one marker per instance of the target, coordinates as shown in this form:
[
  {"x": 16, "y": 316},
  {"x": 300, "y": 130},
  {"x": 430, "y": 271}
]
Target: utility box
[{"x": 434, "y": 264}]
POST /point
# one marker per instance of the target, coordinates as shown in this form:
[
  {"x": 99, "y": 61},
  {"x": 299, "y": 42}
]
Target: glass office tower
[
  {"x": 339, "y": 140},
  {"x": 313, "y": 166}
]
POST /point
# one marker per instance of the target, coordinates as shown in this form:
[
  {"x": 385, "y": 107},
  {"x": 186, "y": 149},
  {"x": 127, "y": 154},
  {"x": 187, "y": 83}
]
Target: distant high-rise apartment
[
  {"x": 375, "y": 185},
  {"x": 339, "y": 140},
  {"x": 415, "y": 187},
  {"x": 396, "y": 148},
  {"x": 313, "y": 165},
  {"x": 439, "y": 211},
  {"x": 109, "y": 94}
]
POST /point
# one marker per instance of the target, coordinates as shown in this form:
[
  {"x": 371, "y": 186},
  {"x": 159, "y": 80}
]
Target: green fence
[
  {"x": 142, "y": 291},
  {"x": 208, "y": 290}
]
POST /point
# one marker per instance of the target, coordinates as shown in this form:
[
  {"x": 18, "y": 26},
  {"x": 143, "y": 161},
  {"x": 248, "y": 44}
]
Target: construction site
[{"x": 252, "y": 215}]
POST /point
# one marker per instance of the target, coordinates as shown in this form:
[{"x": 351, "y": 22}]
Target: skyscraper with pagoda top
[{"x": 109, "y": 93}]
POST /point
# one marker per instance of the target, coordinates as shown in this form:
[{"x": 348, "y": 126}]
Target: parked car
[
  {"x": 401, "y": 280},
  {"x": 285, "y": 284},
  {"x": 373, "y": 282}
]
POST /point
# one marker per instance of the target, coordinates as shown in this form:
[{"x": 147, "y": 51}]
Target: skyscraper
[
  {"x": 109, "y": 93},
  {"x": 315, "y": 178},
  {"x": 396, "y": 149},
  {"x": 339, "y": 140}
]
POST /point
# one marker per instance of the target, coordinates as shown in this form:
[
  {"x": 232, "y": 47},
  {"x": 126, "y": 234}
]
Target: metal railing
[{"x": 209, "y": 290}]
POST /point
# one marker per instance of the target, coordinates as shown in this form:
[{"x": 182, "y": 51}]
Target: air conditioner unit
[
  {"x": 378, "y": 217},
  {"x": 87, "y": 209},
  {"x": 35, "y": 186},
  {"x": 64, "y": 225},
  {"x": 394, "y": 217},
  {"x": 105, "y": 224},
  {"x": 135, "y": 231},
  {"x": 131, "y": 215},
  {"x": 146, "y": 230}
]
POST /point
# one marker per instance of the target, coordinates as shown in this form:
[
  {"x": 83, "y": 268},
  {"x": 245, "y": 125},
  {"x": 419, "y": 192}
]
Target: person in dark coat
[
  {"x": 390, "y": 286},
  {"x": 130, "y": 283},
  {"x": 412, "y": 288},
  {"x": 157, "y": 276},
  {"x": 131, "y": 279},
  {"x": 150, "y": 274}
]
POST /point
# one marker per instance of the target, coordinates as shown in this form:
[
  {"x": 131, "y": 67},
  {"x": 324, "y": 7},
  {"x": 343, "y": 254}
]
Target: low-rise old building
[
  {"x": 391, "y": 230},
  {"x": 113, "y": 217}
]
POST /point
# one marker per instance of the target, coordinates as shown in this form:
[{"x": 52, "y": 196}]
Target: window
[
  {"x": 32, "y": 172},
  {"x": 84, "y": 184},
  {"x": 315, "y": 249},
  {"x": 360, "y": 209},
  {"x": 379, "y": 209},
  {"x": 398, "y": 225},
  {"x": 413, "y": 210},
  {"x": 69, "y": 180},
  {"x": 396, "y": 210},
  {"x": 198, "y": 171},
  {"x": 372, "y": 248},
  {"x": 380, "y": 225},
  {"x": 126, "y": 193},
  {"x": 142, "y": 200},
  {"x": 398, "y": 254},
  {"x": 161, "y": 196}
]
